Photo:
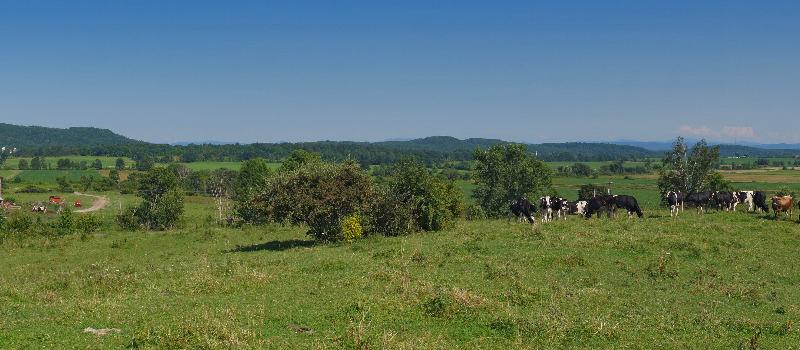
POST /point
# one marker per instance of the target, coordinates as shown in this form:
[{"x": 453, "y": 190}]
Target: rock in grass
[{"x": 101, "y": 331}]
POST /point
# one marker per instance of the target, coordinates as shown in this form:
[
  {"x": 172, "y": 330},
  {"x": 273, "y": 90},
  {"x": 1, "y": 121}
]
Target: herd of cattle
[{"x": 558, "y": 208}]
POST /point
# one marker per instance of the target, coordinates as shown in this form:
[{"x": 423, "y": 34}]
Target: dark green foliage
[
  {"x": 119, "y": 164},
  {"x": 145, "y": 163},
  {"x": 23, "y": 164},
  {"x": 32, "y": 189},
  {"x": 64, "y": 185},
  {"x": 300, "y": 158},
  {"x": 504, "y": 173},
  {"x": 585, "y": 192},
  {"x": 319, "y": 195},
  {"x": 687, "y": 171},
  {"x": 97, "y": 164}
]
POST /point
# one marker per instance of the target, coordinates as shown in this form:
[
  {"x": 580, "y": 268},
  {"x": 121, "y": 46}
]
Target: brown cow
[{"x": 782, "y": 204}]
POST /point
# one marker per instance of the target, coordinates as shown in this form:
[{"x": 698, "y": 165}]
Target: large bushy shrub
[
  {"x": 504, "y": 173},
  {"x": 415, "y": 200},
  {"x": 251, "y": 182},
  {"x": 319, "y": 195},
  {"x": 162, "y": 204}
]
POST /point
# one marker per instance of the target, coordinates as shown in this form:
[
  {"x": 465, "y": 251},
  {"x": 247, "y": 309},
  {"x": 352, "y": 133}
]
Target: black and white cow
[
  {"x": 577, "y": 207},
  {"x": 746, "y": 197},
  {"x": 760, "y": 201},
  {"x": 629, "y": 203},
  {"x": 726, "y": 200},
  {"x": 675, "y": 201},
  {"x": 523, "y": 210},
  {"x": 700, "y": 200},
  {"x": 550, "y": 205},
  {"x": 598, "y": 205}
]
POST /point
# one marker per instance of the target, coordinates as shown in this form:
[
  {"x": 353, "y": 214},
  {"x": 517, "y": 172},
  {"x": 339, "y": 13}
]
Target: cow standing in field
[
  {"x": 523, "y": 210},
  {"x": 782, "y": 204},
  {"x": 760, "y": 201},
  {"x": 577, "y": 207},
  {"x": 598, "y": 205},
  {"x": 675, "y": 201},
  {"x": 629, "y": 203},
  {"x": 545, "y": 206},
  {"x": 726, "y": 200},
  {"x": 700, "y": 200},
  {"x": 549, "y": 205},
  {"x": 746, "y": 197}
]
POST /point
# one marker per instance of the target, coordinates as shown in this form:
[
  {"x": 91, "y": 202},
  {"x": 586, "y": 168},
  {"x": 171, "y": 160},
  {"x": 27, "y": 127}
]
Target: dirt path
[{"x": 99, "y": 203}]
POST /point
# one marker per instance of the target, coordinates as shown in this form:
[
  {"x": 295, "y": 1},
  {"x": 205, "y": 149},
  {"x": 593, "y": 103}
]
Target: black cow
[
  {"x": 675, "y": 201},
  {"x": 629, "y": 203},
  {"x": 599, "y": 204},
  {"x": 760, "y": 201},
  {"x": 523, "y": 210},
  {"x": 700, "y": 200},
  {"x": 726, "y": 200}
]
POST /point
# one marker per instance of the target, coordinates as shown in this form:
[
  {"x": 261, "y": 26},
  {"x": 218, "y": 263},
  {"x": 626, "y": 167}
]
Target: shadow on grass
[{"x": 275, "y": 246}]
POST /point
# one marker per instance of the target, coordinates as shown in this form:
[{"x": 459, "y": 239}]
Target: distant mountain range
[
  {"x": 667, "y": 145},
  {"x": 88, "y": 140}
]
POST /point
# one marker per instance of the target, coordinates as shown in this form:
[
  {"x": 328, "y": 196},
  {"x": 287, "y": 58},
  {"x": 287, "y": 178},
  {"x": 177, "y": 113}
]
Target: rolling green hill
[{"x": 37, "y": 136}]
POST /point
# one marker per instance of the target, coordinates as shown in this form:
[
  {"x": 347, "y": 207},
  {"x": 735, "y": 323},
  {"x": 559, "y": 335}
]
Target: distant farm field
[
  {"x": 108, "y": 162},
  {"x": 49, "y": 176}
]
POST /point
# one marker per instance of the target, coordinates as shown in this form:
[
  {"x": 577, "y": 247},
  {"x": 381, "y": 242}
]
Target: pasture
[{"x": 720, "y": 280}]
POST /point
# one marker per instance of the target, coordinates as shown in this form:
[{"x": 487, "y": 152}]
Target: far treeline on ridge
[{"x": 32, "y": 141}]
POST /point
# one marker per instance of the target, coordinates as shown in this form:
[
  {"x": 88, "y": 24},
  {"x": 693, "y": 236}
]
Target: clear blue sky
[{"x": 294, "y": 70}]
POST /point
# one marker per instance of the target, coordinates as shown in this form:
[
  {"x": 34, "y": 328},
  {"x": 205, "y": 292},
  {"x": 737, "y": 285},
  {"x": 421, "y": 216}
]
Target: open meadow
[{"x": 720, "y": 280}]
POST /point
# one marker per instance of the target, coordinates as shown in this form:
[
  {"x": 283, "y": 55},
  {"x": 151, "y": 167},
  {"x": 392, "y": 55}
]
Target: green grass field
[
  {"x": 720, "y": 280},
  {"x": 712, "y": 281},
  {"x": 49, "y": 176}
]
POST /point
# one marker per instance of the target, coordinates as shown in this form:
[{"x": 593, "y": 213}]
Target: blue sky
[{"x": 268, "y": 71}]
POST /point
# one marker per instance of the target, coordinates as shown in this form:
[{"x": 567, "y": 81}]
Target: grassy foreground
[{"x": 720, "y": 281}]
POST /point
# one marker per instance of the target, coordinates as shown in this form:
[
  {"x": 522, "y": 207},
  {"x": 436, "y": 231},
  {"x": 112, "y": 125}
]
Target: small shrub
[
  {"x": 127, "y": 220},
  {"x": 351, "y": 228},
  {"x": 88, "y": 223},
  {"x": 474, "y": 212},
  {"x": 21, "y": 223},
  {"x": 32, "y": 189},
  {"x": 65, "y": 224}
]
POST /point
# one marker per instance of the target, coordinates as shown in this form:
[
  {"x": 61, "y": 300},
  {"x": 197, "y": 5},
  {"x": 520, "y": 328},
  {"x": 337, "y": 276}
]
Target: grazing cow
[
  {"x": 760, "y": 201},
  {"x": 782, "y": 204},
  {"x": 675, "y": 202},
  {"x": 726, "y": 200},
  {"x": 629, "y": 203},
  {"x": 523, "y": 210},
  {"x": 700, "y": 200},
  {"x": 745, "y": 197},
  {"x": 577, "y": 207},
  {"x": 599, "y": 204}
]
